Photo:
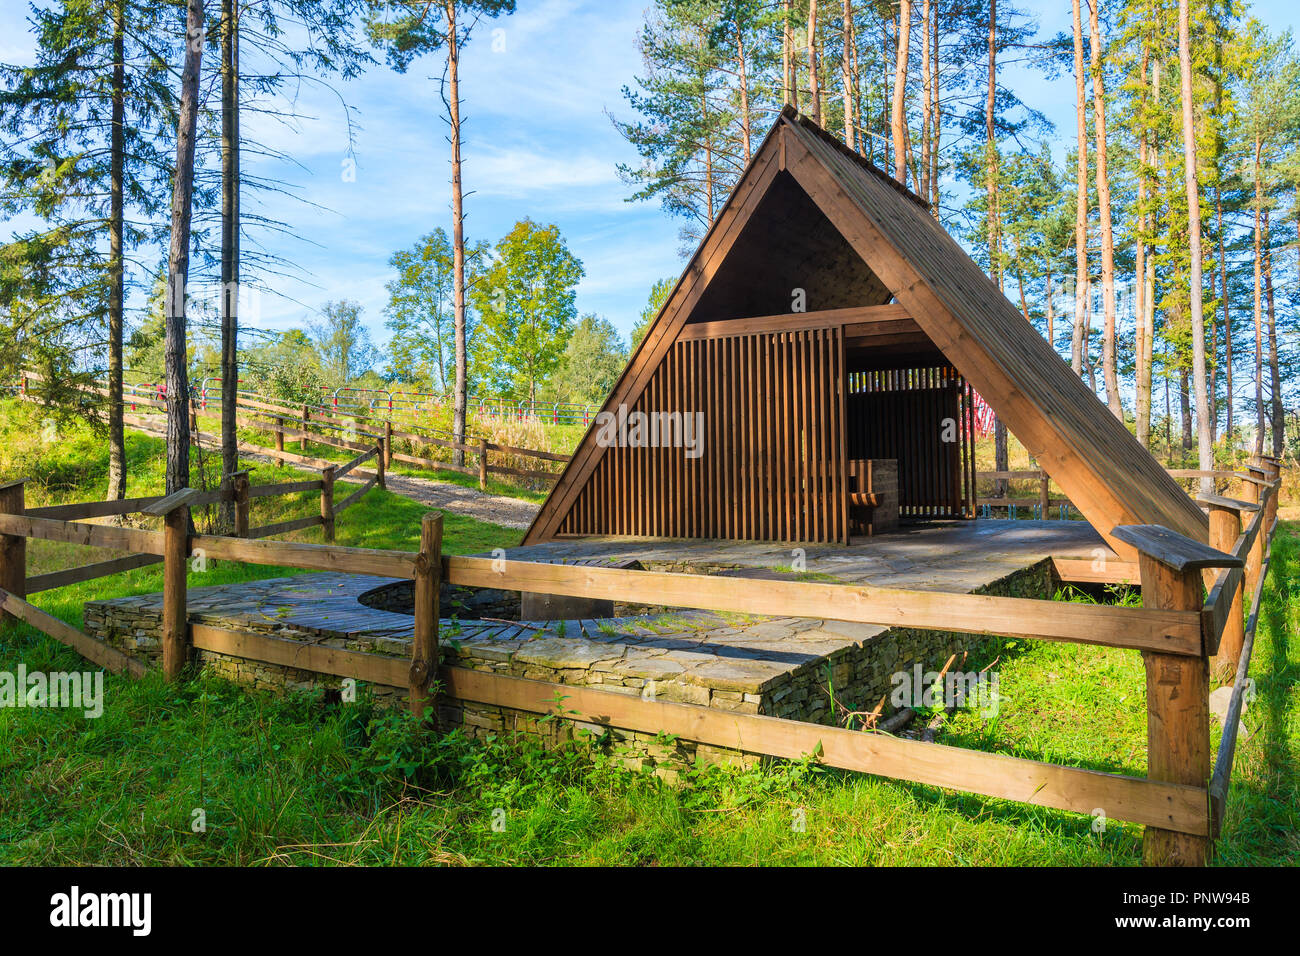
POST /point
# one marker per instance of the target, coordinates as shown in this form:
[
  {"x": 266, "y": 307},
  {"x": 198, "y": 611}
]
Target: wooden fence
[
  {"x": 1044, "y": 499},
  {"x": 348, "y": 431},
  {"x": 1180, "y": 630}
]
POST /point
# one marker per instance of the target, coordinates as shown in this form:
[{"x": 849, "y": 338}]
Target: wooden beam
[
  {"x": 250, "y": 645},
  {"x": 1173, "y": 549},
  {"x": 92, "y": 509},
  {"x": 1174, "y": 633},
  {"x": 284, "y": 488},
  {"x": 165, "y": 505},
  {"x": 861, "y": 317},
  {"x": 1110, "y": 570},
  {"x": 88, "y": 572},
  {"x": 284, "y": 527},
  {"x": 1175, "y": 807},
  {"x": 311, "y": 557},
  {"x": 97, "y": 652},
  {"x": 92, "y": 535}
]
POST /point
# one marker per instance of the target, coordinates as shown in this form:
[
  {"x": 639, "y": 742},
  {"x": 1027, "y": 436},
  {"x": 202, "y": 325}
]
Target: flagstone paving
[{"x": 720, "y": 657}]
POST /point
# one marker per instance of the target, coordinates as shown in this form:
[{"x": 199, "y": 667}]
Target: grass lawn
[{"x": 294, "y": 780}]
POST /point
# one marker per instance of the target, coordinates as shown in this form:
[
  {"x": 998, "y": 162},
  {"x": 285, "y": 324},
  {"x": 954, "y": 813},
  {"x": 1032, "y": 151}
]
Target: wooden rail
[
  {"x": 57, "y": 523},
  {"x": 1046, "y": 500}
]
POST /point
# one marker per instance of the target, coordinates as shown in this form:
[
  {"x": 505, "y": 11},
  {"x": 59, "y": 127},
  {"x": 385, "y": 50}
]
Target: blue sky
[{"x": 538, "y": 143}]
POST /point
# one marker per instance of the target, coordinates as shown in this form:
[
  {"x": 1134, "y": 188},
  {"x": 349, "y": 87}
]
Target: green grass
[{"x": 298, "y": 780}]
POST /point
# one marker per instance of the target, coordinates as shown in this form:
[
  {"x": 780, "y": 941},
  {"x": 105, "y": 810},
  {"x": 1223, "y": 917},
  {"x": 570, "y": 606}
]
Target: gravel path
[{"x": 498, "y": 509}]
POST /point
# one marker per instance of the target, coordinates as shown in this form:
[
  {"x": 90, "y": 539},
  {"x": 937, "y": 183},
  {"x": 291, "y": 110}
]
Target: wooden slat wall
[
  {"x": 773, "y": 467},
  {"x": 900, "y": 413}
]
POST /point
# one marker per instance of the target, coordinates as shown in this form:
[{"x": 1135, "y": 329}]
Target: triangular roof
[{"x": 807, "y": 207}]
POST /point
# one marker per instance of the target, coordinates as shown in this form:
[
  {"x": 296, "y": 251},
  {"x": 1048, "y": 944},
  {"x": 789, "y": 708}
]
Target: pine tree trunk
[
  {"x": 1081, "y": 202},
  {"x": 1141, "y": 318},
  {"x": 926, "y": 119},
  {"x": 116, "y": 263},
  {"x": 1275, "y": 376},
  {"x": 859, "y": 135},
  {"x": 709, "y": 178},
  {"x": 1001, "y": 461},
  {"x": 936, "y": 123},
  {"x": 1148, "y": 278},
  {"x": 229, "y": 249},
  {"x": 1051, "y": 308},
  {"x": 846, "y": 68},
  {"x": 178, "y": 257},
  {"x": 886, "y": 57},
  {"x": 1205, "y": 446},
  {"x": 743, "y": 80},
  {"x": 461, "y": 398},
  {"x": 1109, "y": 372},
  {"x": 787, "y": 57},
  {"x": 814, "y": 82},
  {"x": 1227, "y": 319},
  {"x": 898, "y": 115},
  {"x": 1259, "y": 307}
]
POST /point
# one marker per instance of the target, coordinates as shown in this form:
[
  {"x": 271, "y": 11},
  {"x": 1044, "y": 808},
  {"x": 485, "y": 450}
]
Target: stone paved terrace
[
  {"x": 946, "y": 556},
  {"x": 748, "y": 663}
]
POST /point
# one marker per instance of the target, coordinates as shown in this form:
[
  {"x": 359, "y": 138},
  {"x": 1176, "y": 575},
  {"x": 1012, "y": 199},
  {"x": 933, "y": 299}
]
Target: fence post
[
  {"x": 428, "y": 580},
  {"x": 279, "y": 440},
  {"x": 13, "y": 547},
  {"x": 1044, "y": 492},
  {"x": 388, "y": 444},
  {"x": 1178, "y": 686},
  {"x": 240, "y": 479},
  {"x": 1272, "y": 472},
  {"x": 1178, "y": 714},
  {"x": 482, "y": 464},
  {"x": 174, "y": 509},
  {"x": 327, "y": 502},
  {"x": 302, "y": 442},
  {"x": 380, "y": 480},
  {"x": 1252, "y": 493},
  {"x": 1225, "y": 529}
]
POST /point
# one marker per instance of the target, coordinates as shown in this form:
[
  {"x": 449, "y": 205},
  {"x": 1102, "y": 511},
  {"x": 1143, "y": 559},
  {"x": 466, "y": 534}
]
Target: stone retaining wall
[{"x": 784, "y": 667}]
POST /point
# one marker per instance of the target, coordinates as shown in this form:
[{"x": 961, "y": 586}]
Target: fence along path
[
  {"x": 1179, "y": 630},
  {"x": 324, "y": 425}
]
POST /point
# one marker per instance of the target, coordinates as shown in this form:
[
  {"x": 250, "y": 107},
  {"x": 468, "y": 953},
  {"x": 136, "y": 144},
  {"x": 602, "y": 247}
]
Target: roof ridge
[{"x": 790, "y": 113}]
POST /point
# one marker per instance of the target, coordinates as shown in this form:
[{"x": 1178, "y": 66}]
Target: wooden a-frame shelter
[{"x": 899, "y": 325}]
